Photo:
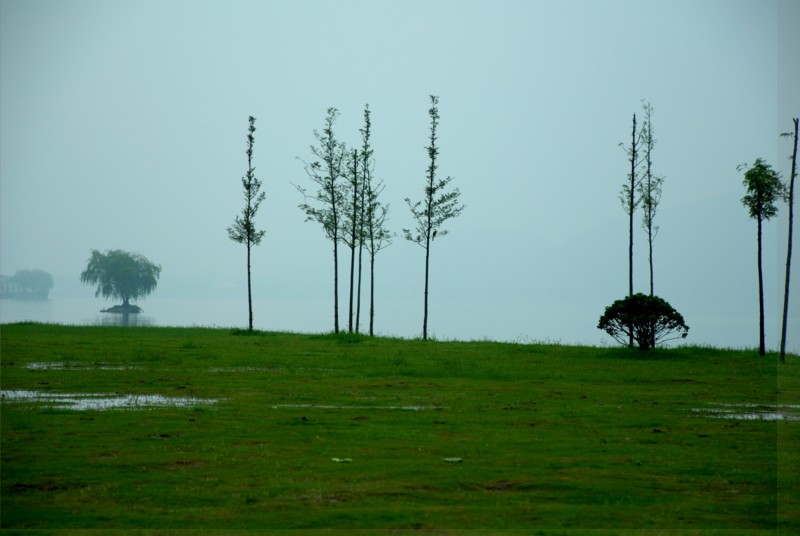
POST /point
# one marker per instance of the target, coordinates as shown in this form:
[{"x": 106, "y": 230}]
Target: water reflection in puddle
[
  {"x": 102, "y": 401},
  {"x": 752, "y": 412}
]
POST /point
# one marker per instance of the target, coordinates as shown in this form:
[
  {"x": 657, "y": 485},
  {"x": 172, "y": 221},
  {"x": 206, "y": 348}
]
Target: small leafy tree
[
  {"x": 435, "y": 209},
  {"x": 243, "y": 229},
  {"x": 790, "y": 202},
  {"x": 325, "y": 172},
  {"x": 764, "y": 189},
  {"x": 119, "y": 274},
  {"x": 647, "y": 319}
]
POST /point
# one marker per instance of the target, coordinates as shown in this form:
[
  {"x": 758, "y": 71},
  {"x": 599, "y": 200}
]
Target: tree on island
[
  {"x": 764, "y": 189},
  {"x": 123, "y": 275},
  {"x": 244, "y": 229},
  {"x": 435, "y": 209}
]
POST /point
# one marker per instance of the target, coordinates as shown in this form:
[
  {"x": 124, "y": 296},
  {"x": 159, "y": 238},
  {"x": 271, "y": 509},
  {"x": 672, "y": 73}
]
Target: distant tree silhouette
[
  {"x": 244, "y": 229},
  {"x": 375, "y": 234},
  {"x": 325, "y": 172},
  {"x": 649, "y": 185},
  {"x": 435, "y": 209},
  {"x": 790, "y": 202},
  {"x": 764, "y": 188},
  {"x": 123, "y": 275},
  {"x": 629, "y": 200}
]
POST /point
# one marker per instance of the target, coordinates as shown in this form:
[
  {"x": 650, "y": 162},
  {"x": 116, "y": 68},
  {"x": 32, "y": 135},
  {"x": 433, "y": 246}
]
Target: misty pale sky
[{"x": 123, "y": 125}]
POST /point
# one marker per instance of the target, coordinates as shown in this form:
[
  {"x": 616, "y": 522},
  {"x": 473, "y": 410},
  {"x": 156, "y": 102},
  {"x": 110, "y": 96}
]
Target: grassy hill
[{"x": 274, "y": 430}]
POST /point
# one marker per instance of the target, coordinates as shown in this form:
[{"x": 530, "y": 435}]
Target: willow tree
[
  {"x": 120, "y": 274},
  {"x": 325, "y": 172},
  {"x": 764, "y": 189},
  {"x": 437, "y": 206},
  {"x": 244, "y": 229},
  {"x": 790, "y": 201}
]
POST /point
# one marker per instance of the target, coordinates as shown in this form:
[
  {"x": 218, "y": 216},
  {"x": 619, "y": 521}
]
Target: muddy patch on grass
[
  {"x": 751, "y": 412},
  {"x": 101, "y": 401}
]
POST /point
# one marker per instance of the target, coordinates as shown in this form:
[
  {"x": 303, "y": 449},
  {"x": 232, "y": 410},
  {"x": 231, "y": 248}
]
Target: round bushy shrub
[{"x": 649, "y": 319}]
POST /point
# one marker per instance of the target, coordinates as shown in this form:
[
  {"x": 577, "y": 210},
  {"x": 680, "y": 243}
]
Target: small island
[{"x": 123, "y": 309}]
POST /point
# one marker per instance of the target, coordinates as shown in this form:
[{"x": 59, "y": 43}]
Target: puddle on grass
[
  {"x": 325, "y": 406},
  {"x": 78, "y": 366},
  {"x": 752, "y": 412},
  {"x": 101, "y": 401}
]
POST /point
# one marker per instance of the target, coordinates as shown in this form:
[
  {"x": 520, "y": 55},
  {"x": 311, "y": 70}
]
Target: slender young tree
[
  {"x": 629, "y": 200},
  {"x": 764, "y": 188},
  {"x": 243, "y": 229},
  {"x": 649, "y": 186},
  {"x": 790, "y": 202},
  {"x": 375, "y": 234},
  {"x": 325, "y": 173},
  {"x": 435, "y": 209},
  {"x": 366, "y": 171},
  {"x": 350, "y": 231}
]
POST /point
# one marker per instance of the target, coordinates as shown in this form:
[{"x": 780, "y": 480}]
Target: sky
[{"x": 123, "y": 126}]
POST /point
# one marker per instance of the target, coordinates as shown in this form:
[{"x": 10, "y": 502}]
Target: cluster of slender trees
[
  {"x": 345, "y": 200},
  {"x": 642, "y": 188},
  {"x": 764, "y": 189}
]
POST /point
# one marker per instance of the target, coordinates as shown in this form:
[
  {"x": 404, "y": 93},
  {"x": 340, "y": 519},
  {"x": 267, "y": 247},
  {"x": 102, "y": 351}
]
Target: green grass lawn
[{"x": 319, "y": 431}]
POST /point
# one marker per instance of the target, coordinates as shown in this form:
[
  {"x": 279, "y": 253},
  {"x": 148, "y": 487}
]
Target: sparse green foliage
[
  {"x": 119, "y": 274},
  {"x": 325, "y": 173},
  {"x": 764, "y": 190},
  {"x": 647, "y": 319},
  {"x": 244, "y": 229},
  {"x": 437, "y": 206}
]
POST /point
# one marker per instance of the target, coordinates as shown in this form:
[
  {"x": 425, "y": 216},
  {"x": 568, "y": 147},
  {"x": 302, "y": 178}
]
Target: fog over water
[{"x": 123, "y": 126}]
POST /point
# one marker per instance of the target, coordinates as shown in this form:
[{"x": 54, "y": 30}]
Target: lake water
[{"x": 557, "y": 322}]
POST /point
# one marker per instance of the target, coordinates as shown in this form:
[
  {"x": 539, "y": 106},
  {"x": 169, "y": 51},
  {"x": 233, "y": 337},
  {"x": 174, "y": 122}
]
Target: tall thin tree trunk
[
  {"x": 761, "y": 345},
  {"x": 335, "y": 283},
  {"x": 249, "y": 291},
  {"x": 358, "y": 288},
  {"x": 371, "y": 294},
  {"x": 427, "y": 264},
  {"x": 789, "y": 246},
  {"x": 352, "y": 281}
]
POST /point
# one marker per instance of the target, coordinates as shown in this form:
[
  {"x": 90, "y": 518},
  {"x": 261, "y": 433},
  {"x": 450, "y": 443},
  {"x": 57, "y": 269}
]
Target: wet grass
[{"x": 549, "y": 437}]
